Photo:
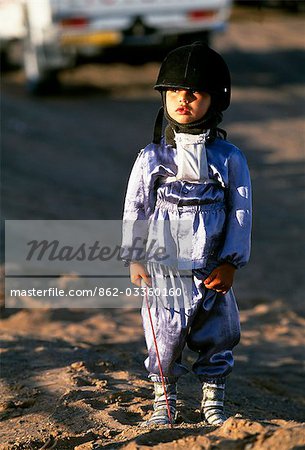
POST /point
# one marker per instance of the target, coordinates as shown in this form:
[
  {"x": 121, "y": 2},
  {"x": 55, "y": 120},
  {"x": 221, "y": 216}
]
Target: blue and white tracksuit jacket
[{"x": 216, "y": 206}]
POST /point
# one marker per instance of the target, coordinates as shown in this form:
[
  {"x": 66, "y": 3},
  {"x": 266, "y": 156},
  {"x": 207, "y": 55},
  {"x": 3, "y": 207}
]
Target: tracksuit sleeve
[
  {"x": 237, "y": 240},
  {"x": 134, "y": 231}
]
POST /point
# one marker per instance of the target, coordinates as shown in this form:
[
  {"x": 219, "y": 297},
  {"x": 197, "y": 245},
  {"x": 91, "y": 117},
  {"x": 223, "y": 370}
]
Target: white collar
[{"x": 191, "y": 139}]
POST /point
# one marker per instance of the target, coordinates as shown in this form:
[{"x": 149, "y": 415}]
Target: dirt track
[{"x": 77, "y": 375}]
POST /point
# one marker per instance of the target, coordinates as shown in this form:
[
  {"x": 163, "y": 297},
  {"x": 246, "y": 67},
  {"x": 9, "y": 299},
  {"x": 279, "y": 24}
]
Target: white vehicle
[
  {"x": 12, "y": 31},
  {"x": 58, "y": 32}
]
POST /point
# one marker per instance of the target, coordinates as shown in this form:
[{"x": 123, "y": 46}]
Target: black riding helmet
[{"x": 197, "y": 67}]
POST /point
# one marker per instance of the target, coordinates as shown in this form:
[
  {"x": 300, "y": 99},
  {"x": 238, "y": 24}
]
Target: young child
[{"x": 191, "y": 173}]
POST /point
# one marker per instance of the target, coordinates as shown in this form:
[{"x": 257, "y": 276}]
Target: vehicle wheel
[
  {"x": 11, "y": 55},
  {"x": 14, "y": 54}
]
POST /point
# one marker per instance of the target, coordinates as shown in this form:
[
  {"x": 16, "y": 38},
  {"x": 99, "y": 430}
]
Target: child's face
[{"x": 186, "y": 106}]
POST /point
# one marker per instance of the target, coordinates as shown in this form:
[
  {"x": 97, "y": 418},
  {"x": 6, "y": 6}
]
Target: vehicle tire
[
  {"x": 11, "y": 55},
  {"x": 14, "y": 54}
]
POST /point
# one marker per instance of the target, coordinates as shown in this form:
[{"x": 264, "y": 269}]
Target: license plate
[{"x": 95, "y": 39}]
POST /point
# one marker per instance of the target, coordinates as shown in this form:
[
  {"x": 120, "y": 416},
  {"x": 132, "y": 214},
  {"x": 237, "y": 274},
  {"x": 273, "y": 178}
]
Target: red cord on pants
[{"x": 158, "y": 358}]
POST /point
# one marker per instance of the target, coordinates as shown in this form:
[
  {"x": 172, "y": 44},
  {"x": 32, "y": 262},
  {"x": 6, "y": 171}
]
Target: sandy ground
[{"x": 74, "y": 379}]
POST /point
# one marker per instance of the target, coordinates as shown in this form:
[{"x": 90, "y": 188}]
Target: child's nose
[{"x": 184, "y": 96}]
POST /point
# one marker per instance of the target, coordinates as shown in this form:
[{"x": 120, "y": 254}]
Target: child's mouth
[{"x": 183, "y": 110}]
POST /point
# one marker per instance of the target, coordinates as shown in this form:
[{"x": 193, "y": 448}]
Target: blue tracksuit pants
[{"x": 185, "y": 312}]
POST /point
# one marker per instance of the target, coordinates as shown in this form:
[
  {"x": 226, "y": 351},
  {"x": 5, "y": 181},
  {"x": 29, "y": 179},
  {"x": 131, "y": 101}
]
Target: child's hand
[
  {"x": 221, "y": 278},
  {"x": 137, "y": 273}
]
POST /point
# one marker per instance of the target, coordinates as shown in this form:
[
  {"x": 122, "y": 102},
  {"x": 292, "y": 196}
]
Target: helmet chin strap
[{"x": 158, "y": 126}]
